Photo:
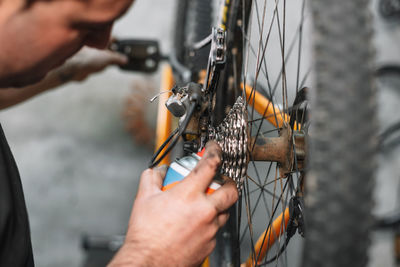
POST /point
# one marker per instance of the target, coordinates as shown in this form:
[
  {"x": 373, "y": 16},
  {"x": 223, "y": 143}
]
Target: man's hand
[
  {"x": 78, "y": 68},
  {"x": 88, "y": 61},
  {"x": 177, "y": 227}
]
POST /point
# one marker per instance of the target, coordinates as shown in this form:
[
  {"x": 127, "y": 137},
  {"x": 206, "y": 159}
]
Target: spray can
[{"x": 181, "y": 168}]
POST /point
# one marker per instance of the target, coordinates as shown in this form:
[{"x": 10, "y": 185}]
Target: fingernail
[{"x": 162, "y": 168}]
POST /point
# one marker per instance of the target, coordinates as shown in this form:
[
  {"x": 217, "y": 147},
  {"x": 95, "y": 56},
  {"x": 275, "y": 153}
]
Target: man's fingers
[
  {"x": 160, "y": 172},
  {"x": 104, "y": 58},
  {"x": 201, "y": 176},
  {"x": 222, "y": 218},
  {"x": 116, "y": 58},
  {"x": 151, "y": 180},
  {"x": 225, "y": 196}
]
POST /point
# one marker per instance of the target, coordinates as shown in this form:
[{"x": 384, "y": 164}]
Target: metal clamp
[{"x": 216, "y": 60}]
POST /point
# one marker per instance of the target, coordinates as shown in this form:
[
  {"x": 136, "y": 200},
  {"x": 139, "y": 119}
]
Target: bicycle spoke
[
  {"x": 300, "y": 45},
  {"x": 267, "y": 191}
]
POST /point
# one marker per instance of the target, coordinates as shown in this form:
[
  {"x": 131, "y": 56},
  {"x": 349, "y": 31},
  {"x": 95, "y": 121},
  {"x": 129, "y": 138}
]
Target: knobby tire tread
[
  {"x": 343, "y": 137},
  {"x": 193, "y": 23}
]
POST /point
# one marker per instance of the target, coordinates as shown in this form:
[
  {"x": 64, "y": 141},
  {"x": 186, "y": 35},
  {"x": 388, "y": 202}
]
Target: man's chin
[{"x": 20, "y": 81}]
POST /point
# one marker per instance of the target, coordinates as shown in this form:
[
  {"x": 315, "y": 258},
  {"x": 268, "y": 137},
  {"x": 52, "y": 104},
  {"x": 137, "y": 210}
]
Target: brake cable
[
  {"x": 156, "y": 159},
  {"x": 216, "y": 62}
]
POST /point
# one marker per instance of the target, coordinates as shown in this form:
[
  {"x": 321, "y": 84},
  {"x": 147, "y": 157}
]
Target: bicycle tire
[
  {"x": 339, "y": 195},
  {"x": 193, "y": 23}
]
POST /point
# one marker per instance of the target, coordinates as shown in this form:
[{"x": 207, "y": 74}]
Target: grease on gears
[{"x": 232, "y": 136}]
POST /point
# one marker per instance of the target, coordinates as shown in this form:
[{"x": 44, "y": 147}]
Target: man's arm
[
  {"x": 78, "y": 68},
  {"x": 177, "y": 227}
]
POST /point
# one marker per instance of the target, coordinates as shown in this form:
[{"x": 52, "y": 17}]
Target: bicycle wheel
[
  {"x": 338, "y": 183},
  {"x": 268, "y": 44}
]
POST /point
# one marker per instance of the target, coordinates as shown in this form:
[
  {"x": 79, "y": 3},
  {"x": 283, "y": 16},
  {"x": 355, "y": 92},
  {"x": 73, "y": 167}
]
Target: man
[{"x": 173, "y": 228}]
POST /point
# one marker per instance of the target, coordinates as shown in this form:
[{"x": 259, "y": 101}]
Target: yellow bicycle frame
[{"x": 164, "y": 117}]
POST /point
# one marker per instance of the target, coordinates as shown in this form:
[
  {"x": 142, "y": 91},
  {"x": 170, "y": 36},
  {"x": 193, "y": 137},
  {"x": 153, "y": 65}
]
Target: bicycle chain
[{"x": 232, "y": 136}]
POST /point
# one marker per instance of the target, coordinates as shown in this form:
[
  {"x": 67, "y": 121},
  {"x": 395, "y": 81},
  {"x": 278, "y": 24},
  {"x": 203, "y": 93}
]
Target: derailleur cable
[
  {"x": 156, "y": 159},
  {"x": 186, "y": 100}
]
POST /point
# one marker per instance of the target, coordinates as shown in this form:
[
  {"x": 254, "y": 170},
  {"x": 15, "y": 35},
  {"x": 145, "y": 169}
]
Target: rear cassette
[{"x": 232, "y": 136}]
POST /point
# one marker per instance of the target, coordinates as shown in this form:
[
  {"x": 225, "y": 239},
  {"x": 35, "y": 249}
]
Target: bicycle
[{"x": 312, "y": 185}]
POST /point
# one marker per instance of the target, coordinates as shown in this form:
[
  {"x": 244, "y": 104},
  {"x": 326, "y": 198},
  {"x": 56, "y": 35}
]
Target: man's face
[{"x": 41, "y": 35}]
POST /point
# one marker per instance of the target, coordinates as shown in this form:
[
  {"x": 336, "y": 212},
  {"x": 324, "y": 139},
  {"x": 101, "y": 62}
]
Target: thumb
[{"x": 201, "y": 176}]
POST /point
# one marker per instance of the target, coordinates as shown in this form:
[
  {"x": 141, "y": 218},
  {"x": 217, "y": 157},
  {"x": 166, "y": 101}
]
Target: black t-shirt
[{"x": 15, "y": 240}]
